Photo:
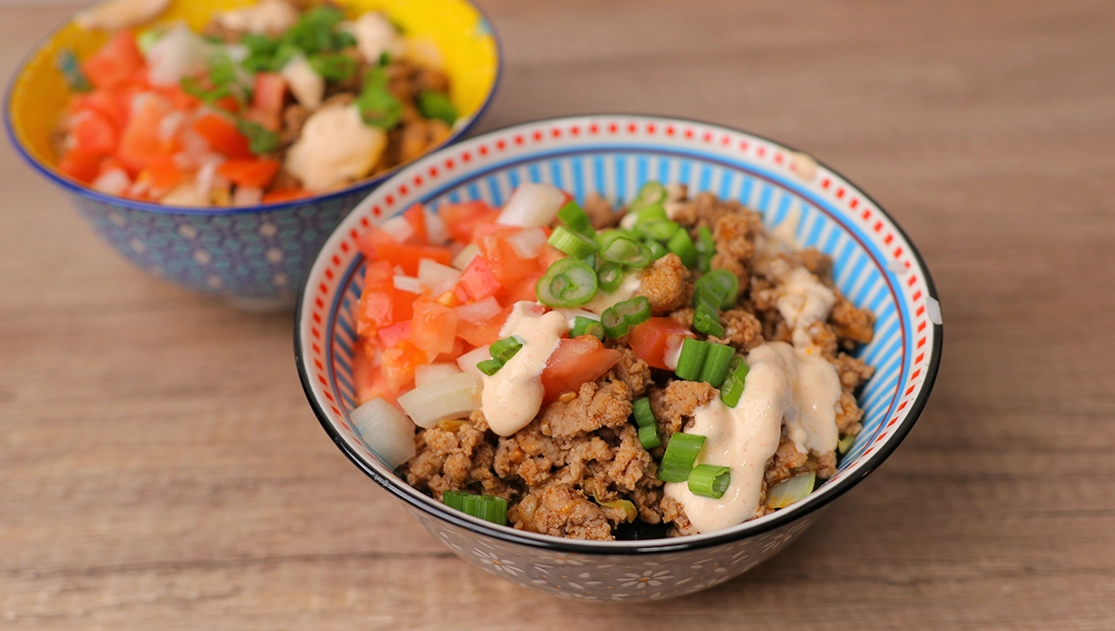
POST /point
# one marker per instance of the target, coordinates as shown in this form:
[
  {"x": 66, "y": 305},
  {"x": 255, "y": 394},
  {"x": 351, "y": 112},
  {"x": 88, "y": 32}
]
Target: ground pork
[
  {"x": 741, "y": 329},
  {"x": 595, "y": 406},
  {"x": 852, "y": 326},
  {"x": 673, "y": 405},
  {"x": 664, "y": 284},
  {"x": 600, "y": 212},
  {"x": 563, "y": 511}
]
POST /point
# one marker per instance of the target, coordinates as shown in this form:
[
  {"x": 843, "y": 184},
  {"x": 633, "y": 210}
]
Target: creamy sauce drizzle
[
  {"x": 783, "y": 384},
  {"x": 603, "y": 299},
  {"x": 513, "y": 396},
  {"x": 802, "y": 301}
]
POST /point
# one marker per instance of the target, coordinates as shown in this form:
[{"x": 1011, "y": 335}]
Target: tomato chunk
[
  {"x": 140, "y": 141},
  {"x": 435, "y": 327},
  {"x": 222, "y": 135},
  {"x": 652, "y": 338},
  {"x": 416, "y": 217},
  {"x": 576, "y": 361},
  {"x": 249, "y": 172},
  {"x": 80, "y": 165},
  {"x": 115, "y": 63},
  {"x": 269, "y": 92},
  {"x": 461, "y": 219},
  {"x": 477, "y": 281}
]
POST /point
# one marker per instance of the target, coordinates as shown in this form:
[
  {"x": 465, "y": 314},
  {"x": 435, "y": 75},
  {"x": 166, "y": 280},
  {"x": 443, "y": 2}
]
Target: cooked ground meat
[{"x": 569, "y": 471}]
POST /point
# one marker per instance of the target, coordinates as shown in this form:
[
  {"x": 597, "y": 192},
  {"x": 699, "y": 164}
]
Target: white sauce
[
  {"x": 335, "y": 146},
  {"x": 268, "y": 17},
  {"x": 305, "y": 83},
  {"x": 786, "y": 232},
  {"x": 783, "y": 383},
  {"x": 513, "y": 396},
  {"x": 603, "y": 299},
  {"x": 673, "y": 352},
  {"x": 803, "y": 300}
]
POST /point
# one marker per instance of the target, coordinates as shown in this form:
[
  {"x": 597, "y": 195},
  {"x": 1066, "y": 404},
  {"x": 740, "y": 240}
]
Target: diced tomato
[
  {"x": 222, "y": 135},
  {"x": 164, "y": 172},
  {"x": 285, "y": 195},
  {"x": 376, "y": 308},
  {"x": 407, "y": 255},
  {"x": 462, "y": 218},
  {"x": 367, "y": 377},
  {"x": 502, "y": 258},
  {"x": 652, "y": 338},
  {"x": 114, "y": 63},
  {"x": 249, "y": 172},
  {"x": 477, "y": 281},
  {"x": 392, "y": 335},
  {"x": 576, "y": 361},
  {"x": 178, "y": 97},
  {"x": 80, "y": 165},
  {"x": 398, "y": 364},
  {"x": 435, "y": 327},
  {"x": 453, "y": 353},
  {"x": 107, "y": 103},
  {"x": 140, "y": 141},
  {"x": 480, "y": 333},
  {"x": 269, "y": 92},
  {"x": 269, "y": 120},
  {"x": 416, "y": 217},
  {"x": 549, "y": 255},
  {"x": 523, "y": 289},
  {"x": 93, "y": 132}
]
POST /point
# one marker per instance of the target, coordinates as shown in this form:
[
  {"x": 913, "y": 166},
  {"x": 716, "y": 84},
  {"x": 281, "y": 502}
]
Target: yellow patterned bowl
[{"x": 252, "y": 256}]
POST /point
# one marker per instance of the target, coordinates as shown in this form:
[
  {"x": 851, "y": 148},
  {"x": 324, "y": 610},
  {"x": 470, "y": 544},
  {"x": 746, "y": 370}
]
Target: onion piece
[
  {"x": 437, "y": 277},
  {"x": 436, "y": 230},
  {"x": 399, "y": 229},
  {"x": 480, "y": 311},
  {"x": 408, "y": 283},
  {"x": 386, "y": 430},
  {"x": 247, "y": 196},
  {"x": 792, "y": 490},
  {"x": 112, "y": 182},
  {"x": 465, "y": 256},
  {"x": 529, "y": 242},
  {"x": 468, "y": 361},
  {"x": 429, "y": 373},
  {"x": 455, "y": 396},
  {"x": 532, "y": 205}
]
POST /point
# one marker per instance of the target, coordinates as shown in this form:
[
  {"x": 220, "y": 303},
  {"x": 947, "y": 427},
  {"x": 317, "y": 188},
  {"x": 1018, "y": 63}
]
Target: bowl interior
[
  {"x": 875, "y": 265},
  {"x": 39, "y": 93}
]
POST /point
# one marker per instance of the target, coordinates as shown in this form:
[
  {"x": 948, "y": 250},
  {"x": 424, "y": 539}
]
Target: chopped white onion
[
  {"x": 792, "y": 490},
  {"x": 171, "y": 123},
  {"x": 436, "y": 230},
  {"x": 179, "y": 53},
  {"x": 429, "y": 373},
  {"x": 112, "y": 182},
  {"x": 247, "y": 196},
  {"x": 399, "y": 229},
  {"x": 479, "y": 311},
  {"x": 532, "y": 205},
  {"x": 468, "y": 361},
  {"x": 527, "y": 243},
  {"x": 455, "y": 396},
  {"x": 465, "y": 256},
  {"x": 437, "y": 277},
  {"x": 305, "y": 83},
  {"x": 386, "y": 430},
  {"x": 408, "y": 283}
]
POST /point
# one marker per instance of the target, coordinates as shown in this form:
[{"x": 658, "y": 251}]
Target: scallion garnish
[
  {"x": 692, "y": 359},
  {"x": 657, "y": 250},
  {"x": 717, "y": 362},
  {"x": 437, "y": 106},
  {"x": 732, "y": 388},
  {"x": 378, "y": 107},
  {"x": 643, "y": 414},
  {"x": 650, "y": 214},
  {"x": 586, "y": 326},
  {"x": 681, "y": 454},
  {"x": 682, "y": 245},
  {"x": 260, "y": 139},
  {"x": 568, "y": 283},
  {"x": 620, "y": 317},
  {"x": 648, "y": 437},
  {"x": 610, "y": 277},
  {"x": 486, "y": 507},
  {"x": 651, "y": 193},
  {"x": 719, "y": 285},
  {"x": 505, "y": 349},
  {"x": 706, "y": 248},
  {"x": 454, "y": 499},
  {"x": 623, "y": 250},
  {"x": 606, "y": 236},
  {"x": 707, "y": 320},
  {"x": 572, "y": 243},
  {"x": 489, "y": 366},
  {"x": 660, "y": 230},
  {"x": 709, "y": 480},
  {"x": 576, "y": 219}
]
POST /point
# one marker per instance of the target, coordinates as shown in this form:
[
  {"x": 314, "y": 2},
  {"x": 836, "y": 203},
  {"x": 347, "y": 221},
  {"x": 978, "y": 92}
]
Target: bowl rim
[
  {"x": 506, "y": 534},
  {"x": 371, "y": 183}
]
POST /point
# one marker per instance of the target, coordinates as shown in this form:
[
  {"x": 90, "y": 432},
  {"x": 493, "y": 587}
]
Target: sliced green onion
[
  {"x": 437, "y": 106},
  {"x": 707, "y": 321},
  {"x": 489, "y": 366},
  {"x": 732, "y": 388},
  {"x": 657, "y": 250},
  {"x": 606, "y": 236},
  {"x": 454, "y": 499},
  {"x": 692, "y": 359},
  {"x": 720, "y": 285},
  {"x": 505, "y": 349},
  {"x": 643, "y": 414},
  {"x": 620, "y": 317},
  {"x": 568, "y": 283},
  {"x": 709, "y": 480},
  {"x": 586, "y": 326},
  {"x": 486, "y": 507},
  {"x": 260, "y": 139},
  {"x": 792, "y": 490},
  {"x": 575, "y": 217},
  {"x": 706, "y": 248},
  {"x": 624, "y": 250},
  {"x": 333, "y": 66},
  {"x": 717, "y": 362},
  {"x": 651, "y": 193},
  {"x": 627, "y": 506},
  {"x": 648, "y": 437},
  {"x": 682, "y": 245},
  {"x": 845, "y": 444},
  {"x": 610, "y": 277},
  {"x": 661, "y": 231},
  {"x": 681, "y": 453},
  {"x": 648, "y": 214},
  {"x": 572, "y": 243},
  {"x": 378, "y": 106},
  {"x": 71, "y": 72}
]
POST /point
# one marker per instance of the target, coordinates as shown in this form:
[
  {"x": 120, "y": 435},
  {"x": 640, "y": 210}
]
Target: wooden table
[{"x": 160, "y": 468}]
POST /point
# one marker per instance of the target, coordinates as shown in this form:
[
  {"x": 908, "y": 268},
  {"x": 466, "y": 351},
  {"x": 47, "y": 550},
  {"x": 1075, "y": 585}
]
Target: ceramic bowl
[
  {"x": 876, "y": 266},
  {"x": 252, "y": 256}
]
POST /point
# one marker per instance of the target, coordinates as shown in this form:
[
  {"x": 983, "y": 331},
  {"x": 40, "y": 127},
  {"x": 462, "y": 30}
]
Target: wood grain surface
[{"x": 160, "y": 468}]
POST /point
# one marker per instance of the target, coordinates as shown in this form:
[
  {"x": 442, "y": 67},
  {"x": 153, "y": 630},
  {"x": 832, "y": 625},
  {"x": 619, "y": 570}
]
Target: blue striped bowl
[{"x": 876, "y": 266}]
